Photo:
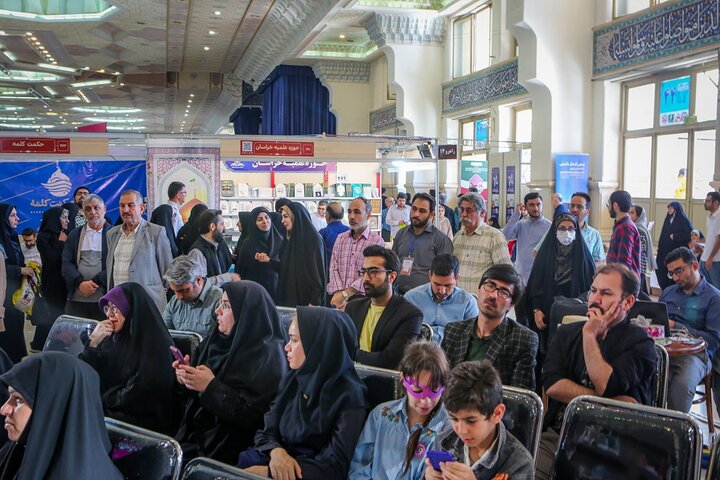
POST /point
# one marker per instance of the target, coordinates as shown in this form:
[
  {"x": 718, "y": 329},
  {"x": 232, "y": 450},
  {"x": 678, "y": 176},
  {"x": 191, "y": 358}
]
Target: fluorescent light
[
  {"x": 106, "y": 110},
  {"x": 206, "y": 48},
  {"x": 72, "y": 98},
  {"x": 56, "y": 18},
  {"x": 58, "y": 68},
  {"x": 25, "y": 126},
  {"x": 90, "y": 83},
  {"x": 50, "y": 91},
  {"x": 113, "y": 119}
]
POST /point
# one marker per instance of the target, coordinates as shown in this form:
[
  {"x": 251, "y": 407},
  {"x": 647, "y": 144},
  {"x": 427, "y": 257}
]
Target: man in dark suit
[
  {"x": 508, "y": 345},
  {"x": 385, "y": 322}
]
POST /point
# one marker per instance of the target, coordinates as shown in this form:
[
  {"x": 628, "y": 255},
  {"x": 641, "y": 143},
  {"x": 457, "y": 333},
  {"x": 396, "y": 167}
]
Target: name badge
[{"x": 407, "y": 264}]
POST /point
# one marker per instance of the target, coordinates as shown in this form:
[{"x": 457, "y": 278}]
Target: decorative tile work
[
  {"x": 339, "y": 71},
  {"x": 383, "y": 118},
  {"x": 670, "y": 29},
  {"x": 406, "y": 29},
  {"x": 482, "y": 88}
]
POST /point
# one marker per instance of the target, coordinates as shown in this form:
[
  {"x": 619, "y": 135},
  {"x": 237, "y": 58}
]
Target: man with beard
[
  {"x": 75, "y": 208},
  {"x": 625, "y": 240},
  {"x": 138, "y": 251},
  {"x": 385, "y": 321},
  {"x": 346, "y": 259},
  {"x": 211, "y": 251},
  {"x": 527, "y": 231},
  {"x": 510, "y": 347},
  {"x": 605, "y": 356},
  {"x": 441, "y": 300},
  {"x": 417, "y": 245}
]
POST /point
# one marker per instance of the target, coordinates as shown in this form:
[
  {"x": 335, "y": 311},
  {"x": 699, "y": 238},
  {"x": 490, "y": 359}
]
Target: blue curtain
[
  {"x": 246, "y": 120},
  {"x": 295, "y": 103}
]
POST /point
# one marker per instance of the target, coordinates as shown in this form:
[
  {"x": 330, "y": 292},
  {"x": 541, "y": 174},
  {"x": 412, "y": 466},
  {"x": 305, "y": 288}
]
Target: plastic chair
[
  {"x": 69, "y": 334},
  {"x": 660, "y": 380},
  {"x": 186, "y": 341},
  {"x": 713, "y": 471},
  {"x": 523, "y": 416},
  {"x": 706, "y": 395},
  {"x": 383, "y": 385},
  {"x": 141, "y": 453},
  {"x": 603, "y": 438},
  {"x": 426, "y": 332},
  {"x": 202, "y": 468}
]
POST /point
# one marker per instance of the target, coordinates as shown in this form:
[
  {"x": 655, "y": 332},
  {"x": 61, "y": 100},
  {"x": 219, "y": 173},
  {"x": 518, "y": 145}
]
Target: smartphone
[
  {"x": 177, "y": 354},
  {"x": 437, "y": 456}
]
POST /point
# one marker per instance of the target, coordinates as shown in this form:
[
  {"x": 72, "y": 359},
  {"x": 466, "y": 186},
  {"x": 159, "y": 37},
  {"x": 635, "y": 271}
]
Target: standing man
[
  {"x": 527, "y": 231},
  {"x": 138, "y": 251},
  {"x": 318, "y": 217},
  {"x": 387, "y": 203},
  {"x": 177, "y": 193},
  {"x": 210, "y": 250},
  {"x": 710, "y": 259},
  {"x": 398, "y": 215},
  {"x": 478, "y": 246},
  {"x": 417, "y": 245},
  {"x": 334, "y": 216},
  {"x": 511, "y": 347},
  {"x": 625, "y": 240},
  {"x": 29, "y": 246},
  {"x": 84, "y": 261},
  {"x": 347, "y": 254},
  {"x": 75, "y": 208}
]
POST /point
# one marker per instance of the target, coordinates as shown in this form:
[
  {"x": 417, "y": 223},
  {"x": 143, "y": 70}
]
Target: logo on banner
[{"x": 58, "y": 184}]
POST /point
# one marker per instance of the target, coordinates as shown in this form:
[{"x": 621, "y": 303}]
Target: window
[
  {"x": 472, "y": 41},
  {"x": 641, "y": 107},
  {"x": 462, "y": 41},
  {"x": 638, "y": 155},
  {"x": 706, "y": 89},
  {"x": 627, "y": 7},
  {"x": 703, "y": 163},
  {"x": 672, "y": 156}
]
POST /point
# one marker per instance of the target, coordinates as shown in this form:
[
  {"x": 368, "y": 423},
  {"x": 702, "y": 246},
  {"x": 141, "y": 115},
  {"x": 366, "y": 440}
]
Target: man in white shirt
[
  {"x": 29, "y": 246},
  {"x": 710, "y": 259},
  {"x": 318, "y": 218},
  {"x": 177, "y": 194},
  {"x": 398, "y": 215}
]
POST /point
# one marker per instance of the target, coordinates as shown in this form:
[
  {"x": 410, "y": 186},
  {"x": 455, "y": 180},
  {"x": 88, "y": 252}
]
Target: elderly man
[
  {"x": 195, "y": 301},
  {"x": 477, "y": 245},
  {"x": 138, "y": 251},
  {"x": 84, "y": 259}
]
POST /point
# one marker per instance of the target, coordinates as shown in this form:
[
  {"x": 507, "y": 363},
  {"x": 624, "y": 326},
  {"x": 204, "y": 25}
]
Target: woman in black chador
[{"x": 258, "y": 255}]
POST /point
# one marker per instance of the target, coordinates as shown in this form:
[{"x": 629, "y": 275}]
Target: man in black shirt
[{"x": 605, "y": 356}]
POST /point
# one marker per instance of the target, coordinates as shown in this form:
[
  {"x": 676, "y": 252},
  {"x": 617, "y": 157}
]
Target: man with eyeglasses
[
  {"x": 604, "y": 356},
  {"x": 693, "y": 304},
  {"x": 511, "y": 347},
  {"x": 385, "y": 321}
]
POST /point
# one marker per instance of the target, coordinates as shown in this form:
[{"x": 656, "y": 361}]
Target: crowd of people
[{"x": 285, "y": 401}]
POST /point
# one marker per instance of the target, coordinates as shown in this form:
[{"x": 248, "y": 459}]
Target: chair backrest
[
  {"x": 186, "y": 341},
  {"x": 426, "y": 332},
  {"x": 523, "y": 416},
  {"x": 603, "y": 438},
  {"x": 561, "y": 307},
  {"x": 202, "y": 468},
  {"x": 140, "y": 453},
  {"x": 660, "y": 380},
  {"x": 69, "y": 334},
  {"x": 286, "y": 316},
  {"x": 383, "y": 385},
  {"x": 713, "y": 471}
]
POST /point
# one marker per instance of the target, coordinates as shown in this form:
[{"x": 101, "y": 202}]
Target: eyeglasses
[
  {"x": 110, "y": 308},
  {"x": 371, "y": 272},
  {"x": 501, "y": 292},
  {"x": 677, "y": 272},
  {"x": 225, "y": 306},
  {"x": 566, "y": 229},
  {"x": 577, "y": 206}
]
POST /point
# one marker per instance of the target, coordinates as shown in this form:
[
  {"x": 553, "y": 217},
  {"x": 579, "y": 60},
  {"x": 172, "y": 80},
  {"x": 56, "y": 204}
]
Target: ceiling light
[
  {"x": 192, "y": 94},
  {"x": 86, "y": 68},
  {"x": 50, "y": 91},
  {"x": 58, "y": 68},
  {"x": 33, "y": 38},
  {"x": 186, "y": 114},
  {"x": 38, "y": 43},
  {"x": 206, "y": 48},
  {"x": 342, "y": 35},
  {"x": 29, "y": 34},
  {"x": 72, "y": 98},
  {"x": 102, "y": 70},
  {"x": 90, "y": 83},
  {"x": 218, "y": 12},
  {"x": 212, "y": 32},
  {"x": 54, "y": 62},
  {"x": 189, "y": 101},
  {"x": 111, "y": 110}
]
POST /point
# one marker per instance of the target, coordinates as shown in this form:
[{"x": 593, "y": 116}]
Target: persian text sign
[
  {"x": 34, "y": 145},
  {"x": 277, "y": 148},
  {"x": 239, "y": 166}
]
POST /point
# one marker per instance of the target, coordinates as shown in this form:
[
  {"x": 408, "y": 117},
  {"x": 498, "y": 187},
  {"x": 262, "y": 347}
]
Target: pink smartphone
[{"x": 177, "y": 354}]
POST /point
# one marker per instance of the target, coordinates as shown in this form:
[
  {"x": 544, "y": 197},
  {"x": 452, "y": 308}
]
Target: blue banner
[
  {"x": 572, "y": 171},
  {"x": 33, "y": 187},
  {"x": 674, "y": 101}
]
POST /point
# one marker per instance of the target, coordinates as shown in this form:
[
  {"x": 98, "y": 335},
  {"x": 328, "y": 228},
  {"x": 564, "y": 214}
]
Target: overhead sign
[
  {"x": 572, "y": 171},
  {"x": 447, "y": 152},
  {"x": 240, "y": 166},
  {"x": 277, "y": 148},
  {"x": 674, "y": 101},
  {"x": 35, "y": 145}
]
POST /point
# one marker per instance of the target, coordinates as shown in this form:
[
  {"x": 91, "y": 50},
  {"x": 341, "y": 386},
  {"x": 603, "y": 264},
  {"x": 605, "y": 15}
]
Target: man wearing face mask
[
  {"x": 527, "y": 231},
  {"x": 625, "y": 240}
]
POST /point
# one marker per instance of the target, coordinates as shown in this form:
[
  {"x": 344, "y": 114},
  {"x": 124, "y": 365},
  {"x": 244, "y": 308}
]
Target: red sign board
[
  {"x": 277, "y": 149},
  {"x": 34, "y": 145}
]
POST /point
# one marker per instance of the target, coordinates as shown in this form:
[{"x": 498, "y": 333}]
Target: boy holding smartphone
[{"x": 483, "y": 449}]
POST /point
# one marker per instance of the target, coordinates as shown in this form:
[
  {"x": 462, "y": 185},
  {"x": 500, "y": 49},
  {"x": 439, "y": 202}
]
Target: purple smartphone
[
  {"x": 177, "y": 354},
  {"x": 437, "y": 456}
]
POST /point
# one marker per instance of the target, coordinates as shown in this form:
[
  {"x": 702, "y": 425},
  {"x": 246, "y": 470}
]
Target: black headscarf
[
  {"x": 245, "y": 220},
  {"x": 135, "y": 366},
  {"x": 249, "y": 362},
  {"x": 258, "y": 241},
  {"x": 9, "y": 237},
  {"x": 302, "y": 262},
  {"x": 190, "y": 232},
  {"x": 276, "y": 216},
  {"x": 50, "y": 247},
  {"x": 312, "y": 397},
  {"x": 679, "y": 226},
  {"x": 68, "y": 438},
  {"x": 162, "y": 215},
  {"x": 51, "y": 221}
]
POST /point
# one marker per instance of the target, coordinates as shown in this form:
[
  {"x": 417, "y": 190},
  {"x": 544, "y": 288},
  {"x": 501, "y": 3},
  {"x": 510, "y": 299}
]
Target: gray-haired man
[{"x": 193, "y": 306}]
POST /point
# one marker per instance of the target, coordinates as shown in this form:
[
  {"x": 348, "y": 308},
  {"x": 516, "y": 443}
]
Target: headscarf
[
  {"x": 135, "y": 365},
  {"x": 68, "y": 438},
  {"x": 162, "y": 215},
  {"x": 679, "y": 226},
  {"x": 258, "y": 241},
  {"x": 276, "y": 217},
  {"x": 51, "y": 249},
  {"x": 249, "y": 361},
  {"x": 312, "y": 397},
  {"x": 51, "y": 221},
  {"x": 302, "y": 262},
  {"x": 246, "y": 219},
  {"x": 190, "y": 232},
  {"x": 642, "y": 226},
  {"x": 9, "y": 237}
]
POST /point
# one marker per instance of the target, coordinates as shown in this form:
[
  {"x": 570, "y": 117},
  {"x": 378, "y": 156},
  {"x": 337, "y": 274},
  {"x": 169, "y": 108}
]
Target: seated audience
[
  {"x": 317, "y": 416},
  {"x": 605, "y": 356},
  {"x": 692, "y": 304},
  {"x": 398, "y": 433},
  {"x": 479, "y": 443},
  {"x": 509, "y": 346},
  {"x": 441, "y": 301},
  {"x": 193, "y": 306},
  {"x": 234, "y": 376},
  {"x": 259, "y": 254},
  {"x": 54, "y": 420},
  {"x": 385, "y": 321},
  {"x": 131, "y": 353}
]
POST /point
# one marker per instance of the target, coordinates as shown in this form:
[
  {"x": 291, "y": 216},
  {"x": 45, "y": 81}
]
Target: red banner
[
  {"x": 34, "y": 145},
  {"x": 277, "y": 149}
]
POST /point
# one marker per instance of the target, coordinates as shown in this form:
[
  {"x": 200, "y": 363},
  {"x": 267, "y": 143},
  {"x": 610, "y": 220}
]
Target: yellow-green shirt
[{"x": 371, "y": 320}]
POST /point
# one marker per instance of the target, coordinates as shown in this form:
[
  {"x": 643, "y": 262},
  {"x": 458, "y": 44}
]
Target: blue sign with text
[{"x": 572, "y": 171}]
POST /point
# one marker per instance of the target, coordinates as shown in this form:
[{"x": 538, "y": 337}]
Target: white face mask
[{"x": 565, "y": 238}]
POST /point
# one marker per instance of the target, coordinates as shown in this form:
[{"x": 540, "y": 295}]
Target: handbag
[{"x": 24, "y": 297}]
